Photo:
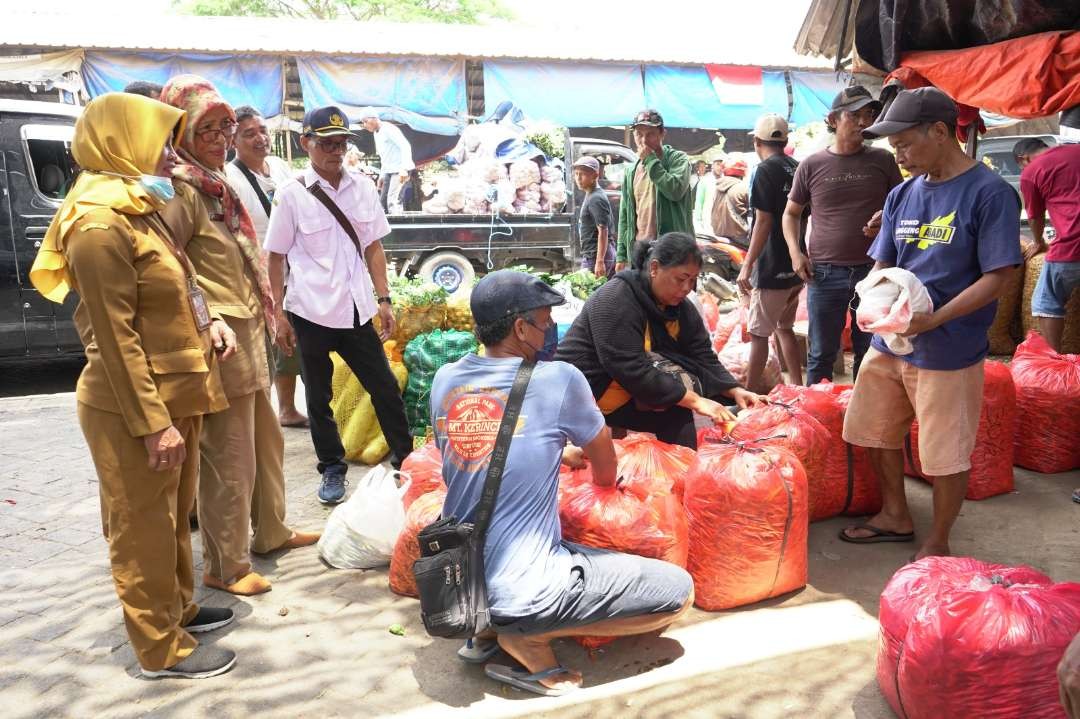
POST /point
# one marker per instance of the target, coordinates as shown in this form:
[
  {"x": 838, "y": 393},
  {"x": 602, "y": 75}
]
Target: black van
[{"x": 36, "y": 172}]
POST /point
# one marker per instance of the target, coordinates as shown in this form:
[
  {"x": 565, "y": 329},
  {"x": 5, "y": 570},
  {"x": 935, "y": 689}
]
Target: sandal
[
  {"x": 528, "y": 682},
  {"x": 478, "y": 651},
  {"x": 879, "y": 535}
]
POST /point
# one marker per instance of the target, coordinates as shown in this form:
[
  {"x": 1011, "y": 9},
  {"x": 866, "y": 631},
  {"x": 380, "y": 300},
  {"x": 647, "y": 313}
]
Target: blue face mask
[
  {"x": 160, "y": 187},
  {"x": 551, "y": 343}
]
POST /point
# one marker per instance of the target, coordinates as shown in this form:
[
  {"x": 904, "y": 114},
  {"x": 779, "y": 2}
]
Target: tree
[{"x": 464, "y": 12}]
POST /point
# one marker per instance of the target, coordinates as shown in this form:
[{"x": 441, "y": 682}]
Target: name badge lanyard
[{"x": 200, "y": 310}]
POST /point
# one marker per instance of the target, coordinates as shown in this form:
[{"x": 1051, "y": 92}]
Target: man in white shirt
[
  {"x": 255, "y": 174},
  {"x": 395, "y": 157},
  {"x": 328, "y": 224}
]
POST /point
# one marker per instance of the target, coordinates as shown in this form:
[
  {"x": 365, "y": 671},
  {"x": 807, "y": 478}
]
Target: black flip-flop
[
  {"x": 526, "y": 681},
  {"x": 879, "y": 535},
  {"x": 1076, "y": 496}
]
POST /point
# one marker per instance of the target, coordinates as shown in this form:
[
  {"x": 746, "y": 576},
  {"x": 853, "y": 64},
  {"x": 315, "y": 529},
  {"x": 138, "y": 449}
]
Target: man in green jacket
[{"x": 656, "y": 196}]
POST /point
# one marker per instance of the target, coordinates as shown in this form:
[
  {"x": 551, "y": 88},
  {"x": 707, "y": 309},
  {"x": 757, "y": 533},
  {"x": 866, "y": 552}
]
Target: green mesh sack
[{"x": 424, "y": 355}]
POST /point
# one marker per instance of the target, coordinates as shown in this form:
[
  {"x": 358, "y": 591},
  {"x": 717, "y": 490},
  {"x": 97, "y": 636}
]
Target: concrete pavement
[{"x": 318, "y": 645}]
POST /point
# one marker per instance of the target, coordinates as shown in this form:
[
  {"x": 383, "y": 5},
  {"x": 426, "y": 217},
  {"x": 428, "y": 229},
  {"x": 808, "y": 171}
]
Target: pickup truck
[
  {"x": 451, "y": 249},
  {"x": 36, "y": 169}
]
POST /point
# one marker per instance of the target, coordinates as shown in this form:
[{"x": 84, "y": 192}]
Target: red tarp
[{"x": 1028, "y": 77}]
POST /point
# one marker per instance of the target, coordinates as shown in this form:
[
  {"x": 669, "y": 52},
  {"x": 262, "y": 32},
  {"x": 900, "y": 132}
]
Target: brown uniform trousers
[
  {"x": 242, "y": 447},
  {"x": 148, "y": 367}
]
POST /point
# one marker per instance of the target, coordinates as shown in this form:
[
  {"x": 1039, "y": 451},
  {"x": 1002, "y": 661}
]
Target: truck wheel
[{"x": 449, "y": 270}]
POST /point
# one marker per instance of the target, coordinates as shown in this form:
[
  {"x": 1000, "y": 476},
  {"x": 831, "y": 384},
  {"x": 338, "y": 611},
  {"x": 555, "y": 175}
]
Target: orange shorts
[{"x": 890, "y": 393}]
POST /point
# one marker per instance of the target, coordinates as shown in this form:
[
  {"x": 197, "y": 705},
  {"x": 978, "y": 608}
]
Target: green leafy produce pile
[
  {"x": 415, "y": 292},
  {"x": 582, "y": 282}
]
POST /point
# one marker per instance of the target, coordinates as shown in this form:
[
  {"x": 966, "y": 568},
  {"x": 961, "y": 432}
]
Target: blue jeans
[{"x": 828, "y": 299}]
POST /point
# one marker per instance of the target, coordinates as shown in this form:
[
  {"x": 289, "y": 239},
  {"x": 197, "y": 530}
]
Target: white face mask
[{"x": 160, "y": 187}]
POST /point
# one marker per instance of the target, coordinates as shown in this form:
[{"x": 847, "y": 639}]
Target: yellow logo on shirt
[
  {"x": 336, "y": 120},
  {"x": 938, "y": 231}
]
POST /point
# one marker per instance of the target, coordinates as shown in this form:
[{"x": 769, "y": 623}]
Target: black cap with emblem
[{"x": 326, "y": 122}]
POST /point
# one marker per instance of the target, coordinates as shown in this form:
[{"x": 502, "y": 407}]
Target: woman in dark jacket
[{"x": 645, "y": 350}]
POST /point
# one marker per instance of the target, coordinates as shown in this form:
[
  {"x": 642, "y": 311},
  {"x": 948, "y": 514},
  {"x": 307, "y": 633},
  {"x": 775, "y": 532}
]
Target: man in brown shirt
[
  {"x": 843, "y": 185},
  {"x": 731, "y": 204}
]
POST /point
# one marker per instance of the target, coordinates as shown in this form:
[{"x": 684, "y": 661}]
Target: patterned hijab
[{"x": 197, "y": 97}]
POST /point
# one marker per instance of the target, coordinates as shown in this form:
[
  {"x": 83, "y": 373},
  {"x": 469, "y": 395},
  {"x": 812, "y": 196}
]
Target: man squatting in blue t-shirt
[
  {"x": 539, "y": 586},
  {"x": 956, "y": 226}
]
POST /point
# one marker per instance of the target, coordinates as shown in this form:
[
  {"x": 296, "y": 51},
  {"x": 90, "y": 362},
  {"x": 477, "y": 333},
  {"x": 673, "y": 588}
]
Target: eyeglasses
[
  {"x": 327, "y": 145},
  {"x": 209, "y": 134},
  {"x": 543, "y": 329}
]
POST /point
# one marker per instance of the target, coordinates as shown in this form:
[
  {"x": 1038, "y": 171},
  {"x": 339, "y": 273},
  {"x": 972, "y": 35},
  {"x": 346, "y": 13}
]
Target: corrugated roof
[{"x": 382, "y": 39}]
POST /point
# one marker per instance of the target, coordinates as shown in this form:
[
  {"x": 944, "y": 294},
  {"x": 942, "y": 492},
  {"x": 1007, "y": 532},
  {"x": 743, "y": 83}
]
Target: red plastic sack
[
  {"x": 710, "y": 310},
  {"x": 1047, "y": 407},
  {"x": 847, "y": 460},
  {"x": 648, "y": 466},
  {"x": 425, "y": 510},
  {"x": 962, "y": 638},
  {"x": 424, "y": 467},
  {"x": 799, "y": 432},
  {"x": 617, "y": 518},
  {"x": 992, "y": 458},
  {"x": 747, "y": 507},
  {"x": 725, "y": 326}
]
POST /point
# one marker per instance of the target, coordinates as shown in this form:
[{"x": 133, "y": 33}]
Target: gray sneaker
[
  {"x": 205, "y": 661},
  {"x": 208, "y": 619}
]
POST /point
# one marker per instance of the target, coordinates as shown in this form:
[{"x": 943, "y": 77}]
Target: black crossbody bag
[{"x": 450, "y": 572}]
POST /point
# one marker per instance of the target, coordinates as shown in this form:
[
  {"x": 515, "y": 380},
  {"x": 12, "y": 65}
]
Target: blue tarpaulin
[
  {"x": 812, "y": 94},
  {"x": 686, "y": 97},
  {"x": 426, "y": 94},
  {"x": 254, "y": 80},
  {"x": 569, "y": 94}
]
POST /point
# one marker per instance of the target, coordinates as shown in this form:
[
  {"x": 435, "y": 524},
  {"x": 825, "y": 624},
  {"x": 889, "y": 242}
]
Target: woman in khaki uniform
[
  {"x": 242, "y": 448},
  {"x": 151, "y": 371}
]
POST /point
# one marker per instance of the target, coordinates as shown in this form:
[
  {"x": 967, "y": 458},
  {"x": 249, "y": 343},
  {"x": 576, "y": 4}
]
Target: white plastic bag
[
  {"x": 360, "y": 534},
  {"x": 887, "y": 300}
]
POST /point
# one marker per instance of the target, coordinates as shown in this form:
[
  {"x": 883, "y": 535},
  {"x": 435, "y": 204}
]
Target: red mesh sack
[
  {"x": 992, "y": 458},
  {"x": 959, "y": 634},
  {"x": 426, "y": 509},
  {"x": 424, "y": 467},
  {"x": 617, "y": 518},
  {"x": 648, "y": 466},
  {"x": 725, "y": 325},
  {"x": 796, "y": 430},
  {"x": 1047, "y": 407},
  {"x": 746, "y": 503},
  {"x": 710, "y": 310},
  {"x": 849, "y": 461},
  {"x": 624, "y": 518}
]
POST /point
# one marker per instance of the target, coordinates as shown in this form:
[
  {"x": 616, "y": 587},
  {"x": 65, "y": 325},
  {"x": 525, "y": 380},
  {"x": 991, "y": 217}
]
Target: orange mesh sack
[
  {"x": 424, "y": 468},
  {"x": 992, "y": 458},
  {"x": 422, "y": 512},
  {"x": 747, "y": 507},
  {"x": 790, "y": 427},
  {"x": 648, "y": 466},
  {"x": 1047, "y": 407}
]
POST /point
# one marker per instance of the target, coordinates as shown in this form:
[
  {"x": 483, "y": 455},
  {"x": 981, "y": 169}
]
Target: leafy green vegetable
[
  {"x": 397, "y": 630},
  {"x": 415, "y": 292}
]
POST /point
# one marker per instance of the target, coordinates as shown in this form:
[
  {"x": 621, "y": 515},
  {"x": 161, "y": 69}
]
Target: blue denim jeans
[{"x": 828, "y": 299}]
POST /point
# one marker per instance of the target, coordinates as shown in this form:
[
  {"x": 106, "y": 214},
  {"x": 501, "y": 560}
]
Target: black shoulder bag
[
  {"x": 246, "y": 172},
  {"x": 450, "y": 572}
]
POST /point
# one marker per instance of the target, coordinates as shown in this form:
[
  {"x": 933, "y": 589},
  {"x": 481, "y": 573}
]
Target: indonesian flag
[{"x": 737, "y": 84}]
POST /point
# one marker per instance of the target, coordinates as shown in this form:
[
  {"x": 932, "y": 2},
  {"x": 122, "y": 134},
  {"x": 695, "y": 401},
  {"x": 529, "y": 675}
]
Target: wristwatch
[{"x": 387, "y": 300}]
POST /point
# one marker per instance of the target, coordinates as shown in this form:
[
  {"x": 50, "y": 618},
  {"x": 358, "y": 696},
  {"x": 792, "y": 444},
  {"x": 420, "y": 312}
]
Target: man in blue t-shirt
[
  {"x": 956, "y": 226},
  {"x": 539, "y": 586}
]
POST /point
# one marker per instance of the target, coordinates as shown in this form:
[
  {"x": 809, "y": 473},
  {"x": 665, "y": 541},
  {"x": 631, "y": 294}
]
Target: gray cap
[
  {"x": 590, "y": 162},
  {"x": 912, "y": 108},
  {"x": 506, "y": 292}
]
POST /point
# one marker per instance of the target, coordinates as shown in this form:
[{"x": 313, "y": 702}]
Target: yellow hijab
[{"x": 118, "y": 138}]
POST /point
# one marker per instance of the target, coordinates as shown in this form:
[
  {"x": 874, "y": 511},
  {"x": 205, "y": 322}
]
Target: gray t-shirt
[
  {"x": 843, "y": 192},
  {"x": 526, "y": 567}
]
